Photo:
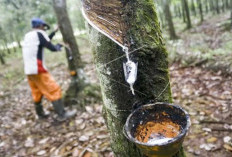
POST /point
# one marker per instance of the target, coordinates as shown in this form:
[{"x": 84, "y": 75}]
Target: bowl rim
[{"x": 134, "y": 140}]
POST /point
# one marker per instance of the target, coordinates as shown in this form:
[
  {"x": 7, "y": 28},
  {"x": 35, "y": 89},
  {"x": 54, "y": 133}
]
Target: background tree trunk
[
  {"x": 206, "y": 6},
  {"x": 168, "y": 16},
  {"x": 212, "y": 8},
  {"x": 179, "y": 10},
  {"x": 153, "y": 74},
  {"x": 186, "y": 9},
  {"x": 7, "y": 49},
  {"x": 200, "y": 10},
  {"x": 231, "y": 13},
  {"x": 223, "y": 6},
  {"x": 183, "y": 11},
  {"x": 193, "y": 8},
  {"x": 75, "y": 64},
  {"x": 176, "y": 10},
  {"x": 227, "y": 4},
  {"x": 217, "y": 6},
  {"x": 2, "y": 60}
]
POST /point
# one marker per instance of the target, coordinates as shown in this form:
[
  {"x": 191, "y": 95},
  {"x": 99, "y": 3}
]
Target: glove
[{"x": 58, "y": 47}]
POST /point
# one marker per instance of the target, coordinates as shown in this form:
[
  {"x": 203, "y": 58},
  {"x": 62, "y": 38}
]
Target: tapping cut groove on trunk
[{"x": 107, "y": 16}]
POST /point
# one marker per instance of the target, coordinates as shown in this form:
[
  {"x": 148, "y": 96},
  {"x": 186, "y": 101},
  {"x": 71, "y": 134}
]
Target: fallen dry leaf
[
  {"x": 227, "y": 147},
  {"x": 84, "y": 138},
  {"x": 40, "y": 153},
  {"x": 212, "y": 139}
]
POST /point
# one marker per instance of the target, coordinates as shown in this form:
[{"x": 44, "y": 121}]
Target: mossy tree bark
[
  {"x": 75, "y": 64},
  {"x": 153, "y": 74}
]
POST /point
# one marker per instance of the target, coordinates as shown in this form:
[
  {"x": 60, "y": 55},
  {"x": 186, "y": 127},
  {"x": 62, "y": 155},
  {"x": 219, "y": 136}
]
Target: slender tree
[
  {"x": 2, "y": 60},
  {"x": 223, "y": 6},
  {"x": 142, "y": 30},
  {"x": 200, "y": 9},
  {"x": 193, "y": 8},
  {"x": 231, "y": 12},
  {"x": 13, "y": 39},
  {"x": 227, "y": 3},
  {"x": 74, "y": 61},
  {"x": 211, "y": 5},
  {"x": 168, "y": 16},
  {"x": 5, "y": 41},
  {"x": 206, "y": 6},
  {"x": 217, "y": 6},
  {"x": 179, "y": 11},
  {"x": 183, "y": 11},
  {"x": 176, "y": 10},
  {"x": 186, "y": 10}
]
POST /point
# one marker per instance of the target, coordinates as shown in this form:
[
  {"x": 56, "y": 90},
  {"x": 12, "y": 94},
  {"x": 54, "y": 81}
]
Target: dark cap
[{"x": 36, "y": 22}]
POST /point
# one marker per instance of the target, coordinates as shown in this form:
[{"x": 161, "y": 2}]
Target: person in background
[{"x": 41, "y": 82}]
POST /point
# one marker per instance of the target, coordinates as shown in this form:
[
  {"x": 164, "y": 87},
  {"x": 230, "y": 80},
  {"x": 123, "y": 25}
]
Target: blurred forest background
[{"x": 198, "y": 36}]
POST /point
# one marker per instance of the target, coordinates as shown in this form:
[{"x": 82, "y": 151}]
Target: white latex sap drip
[
  {"x": 130, "y": 71},
  {"x": 130, "y": 68},
  {"x": 159, "y": 141}
]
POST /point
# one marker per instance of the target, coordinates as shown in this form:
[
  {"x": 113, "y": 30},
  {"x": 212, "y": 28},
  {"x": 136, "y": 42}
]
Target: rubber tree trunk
[
  {"x": 153, "y": 74},
  {"x": 217, "y": 6},
  {"x": 168, "y": 16},
  {"x": 200, "y": 10},
  {"x": 231, "y": 13},
  {"x": 179, "y": 11},
  {"x": 206, "y": 6},
  {"x": 223, "y": 6},
  {"x": 176, "y": 11},
  {"x": 15, "y": 47},
  {"x": 183, "y": 11},
  {"x": 227, "y": 4},
  {"x": 193, "y": 8},
  {"x": 212, "y": 8},
  {"x": 5, "y": 41},
  {"x": 186, "y": 9},
  {"x": 163, "y": 21},
  {"x": 2, "y": 60},
  {"x": 18, "y": 41},
  {"x": 75, "y": 64}
]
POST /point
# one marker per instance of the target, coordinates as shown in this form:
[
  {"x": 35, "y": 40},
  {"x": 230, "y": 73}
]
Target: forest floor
[{"x": 205, "y": 94}]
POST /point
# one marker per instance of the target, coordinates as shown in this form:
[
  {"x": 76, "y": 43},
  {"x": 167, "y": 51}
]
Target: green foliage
[
  {"x": 75, "y": 14},
  {"x": 16, "y": 15}
]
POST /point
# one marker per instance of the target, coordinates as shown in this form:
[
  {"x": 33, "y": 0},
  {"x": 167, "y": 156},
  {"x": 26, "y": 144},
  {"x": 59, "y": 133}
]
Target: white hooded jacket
[{"x": 33, "y": 54}]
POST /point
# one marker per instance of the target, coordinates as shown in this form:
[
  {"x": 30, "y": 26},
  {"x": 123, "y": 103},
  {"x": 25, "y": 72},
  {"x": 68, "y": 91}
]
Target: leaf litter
[{"x": 206, "y": 95}]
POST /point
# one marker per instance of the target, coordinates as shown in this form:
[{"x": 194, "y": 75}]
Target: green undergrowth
[
  {"x": 208, "y": 45},
  {"x": 215, "y": 59}
]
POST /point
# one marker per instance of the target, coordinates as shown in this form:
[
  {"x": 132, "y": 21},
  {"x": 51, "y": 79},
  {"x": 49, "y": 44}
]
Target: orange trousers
[{"x": 43, "y": 84}]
